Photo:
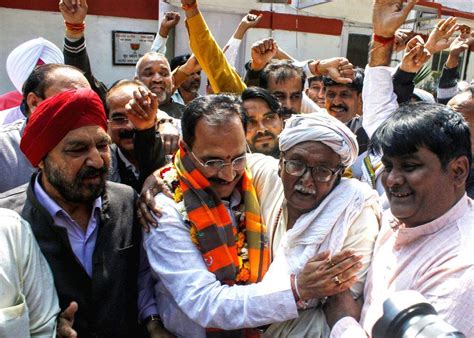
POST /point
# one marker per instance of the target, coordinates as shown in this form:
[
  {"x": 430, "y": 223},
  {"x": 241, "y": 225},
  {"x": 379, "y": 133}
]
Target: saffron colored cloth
[
  {"x": 214, "y": 226},
  {"x": 436, "y": 259},
  {"x": 57, "y": 116},
  {"x": 10, "y": 100}
]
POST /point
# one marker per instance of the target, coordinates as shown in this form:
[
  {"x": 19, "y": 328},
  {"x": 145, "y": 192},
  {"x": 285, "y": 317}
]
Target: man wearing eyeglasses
[
  {"x": 137, "y": 148},
  {"x": 310, "y": 208},
  {"x": 210, "y": 252}
]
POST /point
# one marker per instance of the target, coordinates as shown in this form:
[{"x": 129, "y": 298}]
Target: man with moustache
[
  {"x": 210, "y": 251},
  {"x": 344, "y": 102},
  {"x": 188, "y": 90},
  {"x": 154, "y": 71},
  {"x": 264, "y": 121},
  {"x": 84, "y": 225},
  {"x": 137, "y": 148},
  {"x": 425, "y": 242}
]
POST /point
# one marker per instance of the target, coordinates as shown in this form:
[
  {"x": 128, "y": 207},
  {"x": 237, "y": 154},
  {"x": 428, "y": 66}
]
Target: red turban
[{"x": 57, "y": 116}]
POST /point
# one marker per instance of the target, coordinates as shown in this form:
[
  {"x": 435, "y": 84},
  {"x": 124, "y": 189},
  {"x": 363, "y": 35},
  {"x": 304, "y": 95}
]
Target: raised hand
[
  {"x": 262, "y": 52},
  {"x": 170, "y": 20},
  {"x": 73, "y": 11},
  {"x": 250, "y": 20},
  {"x": 458, "y": 46},
  {"x": 142, "y": 109},
  {"x": 339, "y": 69},
  {"x": 389, "y": 15},
  {"x": 416, "y": 55},
  {"x": 440, "y": 36},
  {"x": 402, "y": 36}
]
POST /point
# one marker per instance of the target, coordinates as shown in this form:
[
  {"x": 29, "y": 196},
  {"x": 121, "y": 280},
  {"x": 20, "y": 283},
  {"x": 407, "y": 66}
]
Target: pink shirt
[{"x": 435, "y": 259}]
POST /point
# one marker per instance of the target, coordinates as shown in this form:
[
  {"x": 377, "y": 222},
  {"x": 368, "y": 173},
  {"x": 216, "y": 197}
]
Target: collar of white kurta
[{"x": 326, "y": 227}]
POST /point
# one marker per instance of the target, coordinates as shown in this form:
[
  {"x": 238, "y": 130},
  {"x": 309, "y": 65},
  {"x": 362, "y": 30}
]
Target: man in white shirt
[{"x": 28, "y": 300}]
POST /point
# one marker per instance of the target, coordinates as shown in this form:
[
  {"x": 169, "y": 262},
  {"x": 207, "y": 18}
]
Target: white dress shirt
[
  {"x": 28, "y": 300},
  {"x": 190, "y": 298}
]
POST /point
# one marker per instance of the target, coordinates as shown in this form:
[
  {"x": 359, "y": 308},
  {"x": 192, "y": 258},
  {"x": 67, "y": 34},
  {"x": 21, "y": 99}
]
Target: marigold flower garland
[{"x": 170, "y": 177}]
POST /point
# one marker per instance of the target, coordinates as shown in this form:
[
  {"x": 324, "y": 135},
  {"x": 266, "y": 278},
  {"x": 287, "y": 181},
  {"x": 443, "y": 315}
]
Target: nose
[
  {"x": 393, "y": 178},
  {"x": 95, "y": 159},
  {"x": 307, "y": 179},
  {"x": 261, "y": 128},
  {"x": 227, "y": 173},
  {"x": 336, "y": 100},
  {"x": 157, "y": 77},
  {"x": 321, "y": 93},
  {"x": 286, "y": 102}
]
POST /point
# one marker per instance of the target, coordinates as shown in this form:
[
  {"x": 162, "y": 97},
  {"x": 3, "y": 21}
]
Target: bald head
[
  {"x": 49, "y": 80},
  {"x": 154, "y": 71},
  {"x": 464, "y": 103}
]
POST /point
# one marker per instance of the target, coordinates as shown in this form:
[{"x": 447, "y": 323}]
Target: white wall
[{"x": 15, "y": 28}]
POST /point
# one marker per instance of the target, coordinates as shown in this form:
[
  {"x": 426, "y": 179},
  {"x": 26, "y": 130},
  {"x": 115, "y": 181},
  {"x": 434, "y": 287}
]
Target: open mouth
[
  {"x": 305, "y": 191},
  {"x": 339, "y": 109},
  {"x": 400, "y": 194}
]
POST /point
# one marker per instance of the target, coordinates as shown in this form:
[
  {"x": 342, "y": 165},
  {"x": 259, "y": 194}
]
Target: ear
[
  {"x": 41, "y": 165},
  {"x": 33, "y": 100},
  {"x": 306, "y": 91},
  {"x": 460, "y": 170},
  {"x": 281, "y": 166}
]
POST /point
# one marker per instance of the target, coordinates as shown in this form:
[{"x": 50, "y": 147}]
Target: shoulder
[
  {"x": 120, "y": 193},
  {"x": 10, "y": 198}
]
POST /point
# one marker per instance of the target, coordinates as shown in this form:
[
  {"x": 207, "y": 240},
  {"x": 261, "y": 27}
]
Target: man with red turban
[{"x": 85, "y": 226}]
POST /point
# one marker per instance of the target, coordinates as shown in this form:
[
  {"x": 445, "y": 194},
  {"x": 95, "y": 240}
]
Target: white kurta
[{"x": 28, "y": 299}]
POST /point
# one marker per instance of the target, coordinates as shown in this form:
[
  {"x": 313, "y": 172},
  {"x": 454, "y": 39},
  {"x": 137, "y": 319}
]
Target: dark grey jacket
[{"x": 108, "y": 300}]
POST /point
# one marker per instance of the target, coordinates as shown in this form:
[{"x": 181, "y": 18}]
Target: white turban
[
  {"x": 24, "y": 58},
  {"x": 320, "y": 128}
]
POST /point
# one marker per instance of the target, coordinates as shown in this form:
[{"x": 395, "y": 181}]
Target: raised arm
[
  {"x": 222, "y": 76},
  {"x": 169, "y": 21},
  {"x": 75, "y": 54}
]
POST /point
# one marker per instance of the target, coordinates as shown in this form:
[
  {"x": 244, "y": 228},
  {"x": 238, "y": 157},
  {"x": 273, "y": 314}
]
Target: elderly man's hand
[
  {"x": 341, "y": 305},
  {"x": 389, "y": 15},
  {"x": 146, "y": 202},
  {"x": 142, "y": 109},
  {"x": 262, "y": 52},
  {"x": 325, "y": 276},
  {"x": 66, "y": 321},
  {"x": 415, "y": 56}
]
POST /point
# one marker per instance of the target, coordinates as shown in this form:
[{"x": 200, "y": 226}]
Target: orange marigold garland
[{"x": 170, "y": 177}]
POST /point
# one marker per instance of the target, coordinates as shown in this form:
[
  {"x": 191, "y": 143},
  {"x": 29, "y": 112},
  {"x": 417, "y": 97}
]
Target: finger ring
[
  {"x": 336, "y": 280},
  {"x": 329, "y": 262}
]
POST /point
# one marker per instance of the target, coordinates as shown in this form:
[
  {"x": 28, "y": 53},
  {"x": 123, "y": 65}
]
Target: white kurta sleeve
[
  {"x": 27, "y": 274},
  {"x": 178, "y": 263},
  {"x": 379, "y": 100}
]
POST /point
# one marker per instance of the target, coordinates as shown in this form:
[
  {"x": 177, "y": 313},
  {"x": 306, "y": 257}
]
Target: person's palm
[{"x": 389, "y": 15}]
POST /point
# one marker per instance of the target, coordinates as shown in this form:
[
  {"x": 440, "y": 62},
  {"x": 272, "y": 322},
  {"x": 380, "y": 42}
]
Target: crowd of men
[{"x": 289, "y": 201}]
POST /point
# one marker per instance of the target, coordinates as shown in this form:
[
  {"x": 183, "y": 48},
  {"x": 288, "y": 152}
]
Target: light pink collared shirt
[{"x": 435, "y": 259}]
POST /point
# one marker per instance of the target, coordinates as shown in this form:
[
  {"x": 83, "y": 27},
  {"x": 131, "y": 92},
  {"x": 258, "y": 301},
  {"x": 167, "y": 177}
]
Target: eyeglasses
[
  {"x": 319, "y": 173},
  {"x": 217, "y": 165},
  {"x": 119, "y": 120}
]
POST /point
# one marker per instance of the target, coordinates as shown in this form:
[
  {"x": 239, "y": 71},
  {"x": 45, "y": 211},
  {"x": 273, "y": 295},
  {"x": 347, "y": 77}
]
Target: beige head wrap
[{"x": 320, "y": 128}]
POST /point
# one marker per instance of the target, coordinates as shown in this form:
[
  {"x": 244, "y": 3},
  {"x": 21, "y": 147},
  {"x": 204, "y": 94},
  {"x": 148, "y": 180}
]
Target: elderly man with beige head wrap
[{"x": 309, "y": 208}]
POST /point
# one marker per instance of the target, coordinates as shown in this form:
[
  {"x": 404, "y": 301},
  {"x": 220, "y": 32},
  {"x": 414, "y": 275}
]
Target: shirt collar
[
  {"x": 127, "y": 163},
  {"x": 406, "y": 235}
]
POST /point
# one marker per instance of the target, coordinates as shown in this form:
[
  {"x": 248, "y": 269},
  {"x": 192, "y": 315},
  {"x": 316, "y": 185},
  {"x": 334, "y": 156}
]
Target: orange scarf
[{"x": 215, "y": 233}]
